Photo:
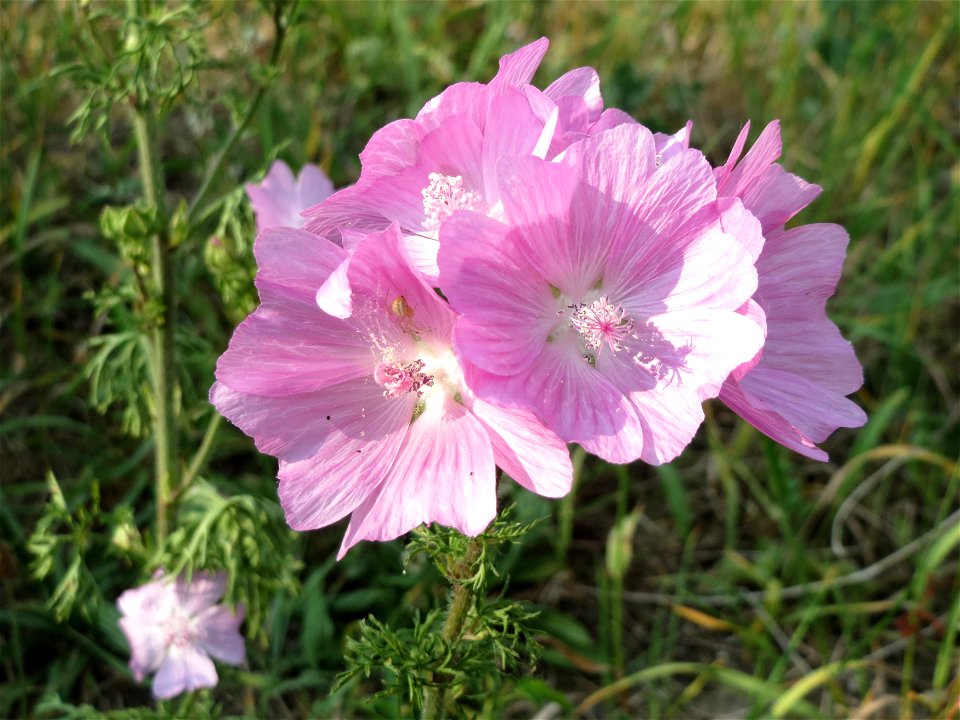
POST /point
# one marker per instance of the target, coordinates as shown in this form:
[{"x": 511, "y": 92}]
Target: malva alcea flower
[
  {"x": 346, "y": 373},
  {"x": 606, "y": 301},
  {"x": 279, "y": 198},
  {"x": 175, "y": 627},
  {"x": 795, "y": 391}
]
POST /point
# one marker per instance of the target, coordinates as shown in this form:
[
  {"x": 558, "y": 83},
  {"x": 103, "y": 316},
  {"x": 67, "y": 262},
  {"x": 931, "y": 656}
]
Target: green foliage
[
  {"x": 467, "y": 659},
  {"x": 244, "y": 535},
  {"x": 65, "y": 545},
  {"x": 154, "y": 57}
]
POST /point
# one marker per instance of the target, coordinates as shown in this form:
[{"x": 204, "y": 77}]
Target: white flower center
[{"x": 444, "y": 195}]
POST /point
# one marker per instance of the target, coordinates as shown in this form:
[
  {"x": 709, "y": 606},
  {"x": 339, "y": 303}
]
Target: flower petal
[
  {"x": 218, "y": 634},
  {"x": 444, "y": 473},
  {"x": 185, "y": 668},
  {"x": 524, "y": 448},
  {"x": 201, "y": 592}
]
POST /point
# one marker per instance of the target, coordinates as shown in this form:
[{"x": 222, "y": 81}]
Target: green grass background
[{"x": 760, "y": 584}]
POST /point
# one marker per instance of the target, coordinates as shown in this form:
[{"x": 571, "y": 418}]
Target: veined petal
[
  {"x": 201, "y": 592},
  {"x": 185, "y": 668},
  {"x": 510, "y": 310},
  {"x": 218, "y": 634},
  {"x": 523, "y": 447},
  {"x": 769, "y": 422},
  {"x": 444, "y": 473}
]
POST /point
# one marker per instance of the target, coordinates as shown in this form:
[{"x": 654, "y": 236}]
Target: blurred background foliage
[{"x": 741, "y": 580}]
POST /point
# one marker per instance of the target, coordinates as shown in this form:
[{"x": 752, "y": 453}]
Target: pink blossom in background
[
  {"x": 347, "y": 374},
  {"x": 279, "y": 199},
  {"x": 175, "y": 627},
  {"x": 795, "y": 390},
  {"x": 607, "y": 302},
  {"x": 418, "y": 172}
]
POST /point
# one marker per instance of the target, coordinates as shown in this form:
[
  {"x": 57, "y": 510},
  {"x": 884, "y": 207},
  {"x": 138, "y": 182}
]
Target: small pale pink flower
[
  {"x": 279, "y": 199},
  {"x": 347, "y": 374},
  {"x": 794, "y": 391},
  {"x": 607, "y": 299},
  {"x": 175, "y": 627}
]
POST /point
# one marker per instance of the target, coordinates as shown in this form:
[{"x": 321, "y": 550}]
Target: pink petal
[
  {"x": 518, "y": 67},
  {"x": 525, "y": 449},
  {"x": 380, "y": 271},
  {"x": 816, "y": 411},
  {"x": 148, "y": 645},
  {"x": 444, "y": 473},
  {"x": 201, "y": 592},
  {"x": 611, "y": 118},
  {"x": 722, "y": 173},
  {"x": 813, "y": 349},
  {"x": 776, "y": 196},
  {"x": 575, "y": 400},
  {"x": 293, "y": 263},
  {"x": 670, "y": 145},
  {"x": 537, "y": 198},
  {"x": 510, "y": 309},
  {"x": 765, "y": 151},
  {"x": 799, "y": 270},
  {"x": 736, "y": 220},
  {"x": 147, "y": 600},
  {"x": 346, "y": 208},
  {"x": 290, "y": 347},
  {"x": 279, "y": 199},
  {"x": 769, "y": 423},
  {"x": 513, "y": 130},
  {"x": 185, "y": 668},
  {"x": 218, "y": 634},
  {"x": 582, "y": 84},
  {"x": 391, "y": 149}
]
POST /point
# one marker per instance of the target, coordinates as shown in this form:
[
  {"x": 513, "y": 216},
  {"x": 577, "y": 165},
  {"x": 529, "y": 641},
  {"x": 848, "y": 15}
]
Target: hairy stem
[
  {"x": 162, "y": 338},
  {"x": 462, "y": 596}
]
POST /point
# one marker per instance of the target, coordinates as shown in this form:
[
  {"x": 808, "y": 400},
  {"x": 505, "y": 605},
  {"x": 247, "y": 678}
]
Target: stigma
[
  {"x": 398, "y": 379},
  {"x": 601, "y": 324}
]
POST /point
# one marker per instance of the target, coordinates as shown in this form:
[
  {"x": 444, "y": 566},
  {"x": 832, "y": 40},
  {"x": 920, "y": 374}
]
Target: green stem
[
  {"x": 201, "y": 457},
  {"x": 462, "y": 596},
  {"x": 213, "y": 170},
  {"x": 162, "y": 337}
]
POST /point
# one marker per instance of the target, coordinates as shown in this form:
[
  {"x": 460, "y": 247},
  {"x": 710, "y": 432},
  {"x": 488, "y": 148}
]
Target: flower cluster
[
  {"x": 175, "y": 626},
  {"x": 514, "y": 270}
]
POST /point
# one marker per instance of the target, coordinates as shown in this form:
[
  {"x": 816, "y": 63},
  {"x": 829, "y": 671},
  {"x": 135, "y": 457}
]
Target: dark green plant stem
[
  {"x": 213, "y": 170},
  {"x": 462, "y": 596},
  {"x": 162, "y": 338}
]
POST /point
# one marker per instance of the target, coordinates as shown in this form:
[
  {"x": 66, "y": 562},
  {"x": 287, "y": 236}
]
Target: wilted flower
[
  {"x": 362, "y": 398},
  {"x": 795, "y": 390},
  {"x": 175, "y": 627},
  {"x": 607, "y": 301},
  {"x": 279, "y": 199}
]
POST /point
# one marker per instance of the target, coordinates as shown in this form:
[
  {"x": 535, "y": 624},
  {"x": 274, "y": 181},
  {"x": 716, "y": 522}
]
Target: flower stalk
[
  {"x": 462, "y": 597},
  {"x": 162, "y": 338}
]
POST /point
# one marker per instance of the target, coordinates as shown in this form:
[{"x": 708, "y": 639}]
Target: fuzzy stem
[
  {"x": 162, "y": 339},
  {"x": 462, "y": 596}
]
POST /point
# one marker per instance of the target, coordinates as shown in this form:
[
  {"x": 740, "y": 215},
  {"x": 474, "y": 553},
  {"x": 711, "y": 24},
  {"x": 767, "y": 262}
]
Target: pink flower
[
  {"x": 175, "y": 627},
  {"x": 418, "y": 172},
  {"x": 795, "y": 390},
  {"x": 363, "y": 399},
  {"x": 607, "y": 302},
  {"x": 279, "y": 199}
]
